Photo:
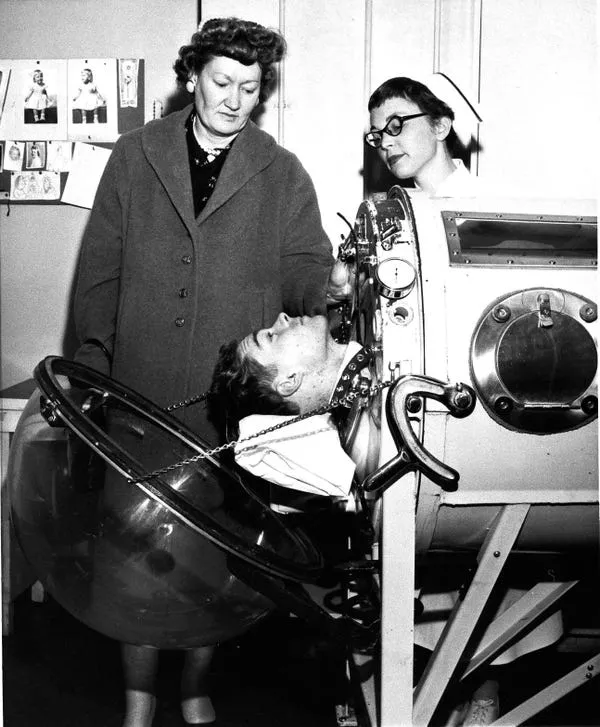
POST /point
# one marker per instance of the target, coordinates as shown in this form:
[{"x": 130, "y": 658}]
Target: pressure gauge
[{"x": 396, "y": 278}]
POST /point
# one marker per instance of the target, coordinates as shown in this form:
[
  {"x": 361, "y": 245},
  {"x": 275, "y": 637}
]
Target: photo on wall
[
  {"x": 40, "y": 95},
  {"x": 59, "y": 156},
  {"x": 35, "y": 99},
  {"x": 92, "y": 94},
  {"x": 128, "y": 82},
  {"x": 13, "y": 161},
  {"x": 35, "y": 154}
]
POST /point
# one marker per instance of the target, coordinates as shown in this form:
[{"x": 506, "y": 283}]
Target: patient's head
[{"x": 289, "y": 368}]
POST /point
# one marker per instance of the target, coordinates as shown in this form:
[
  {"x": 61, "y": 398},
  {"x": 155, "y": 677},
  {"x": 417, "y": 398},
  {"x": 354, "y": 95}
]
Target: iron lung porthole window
[{"x": 534, "y": 360}]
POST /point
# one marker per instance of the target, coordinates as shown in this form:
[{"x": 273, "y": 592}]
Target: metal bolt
[
  {"x": 413, "y": 404},
  {"x": 588, "y": 312},
  {"x": 501, "y": 313},
  {"x": 462, "y": 400},
  {"x": 496, "y": 554},
  {"x": 503, "y": 405}
]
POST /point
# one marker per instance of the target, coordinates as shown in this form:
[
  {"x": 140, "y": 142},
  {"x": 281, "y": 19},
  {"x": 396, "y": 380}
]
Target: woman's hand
[{"x": 340, "y": 286}]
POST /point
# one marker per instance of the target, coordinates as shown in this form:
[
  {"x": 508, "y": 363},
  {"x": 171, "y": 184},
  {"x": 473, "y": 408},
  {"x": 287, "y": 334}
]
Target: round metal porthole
[{"x": 534, "y": 360}]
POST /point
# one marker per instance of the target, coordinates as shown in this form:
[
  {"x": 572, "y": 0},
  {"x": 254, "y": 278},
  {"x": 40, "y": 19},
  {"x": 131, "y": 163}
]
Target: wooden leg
[
  {"x": 515, "y": 620},
  {"x": 580, "y": 675},
  {"x": 444, "y": 660}
]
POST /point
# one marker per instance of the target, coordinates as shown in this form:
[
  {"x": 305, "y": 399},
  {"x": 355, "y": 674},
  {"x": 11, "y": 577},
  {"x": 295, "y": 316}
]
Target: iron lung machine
[
  {"x": 146, "y": 535},
  {"x": 499, "y": 293}
]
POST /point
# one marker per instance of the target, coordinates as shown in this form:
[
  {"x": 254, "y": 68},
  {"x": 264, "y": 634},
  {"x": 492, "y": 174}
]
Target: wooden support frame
[
  {"x": 444, "y": 660},
  {"x": 515, "y": 620},
  {"x": 551, "y": 694}
]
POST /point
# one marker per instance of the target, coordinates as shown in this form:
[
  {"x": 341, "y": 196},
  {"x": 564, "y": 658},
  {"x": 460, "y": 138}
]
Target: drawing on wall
[
  {"x": 128, "y": 82},
  {"x": 51, "y": 185},
  {"x": 89, "y": 105},
  {"x": 14, "y": 156},
  {"x": 59, "y": 156},
  {"x": 40, "y": 96},
  {"x": 35, "y": 154},
  {"x": 30, "y": 186}
]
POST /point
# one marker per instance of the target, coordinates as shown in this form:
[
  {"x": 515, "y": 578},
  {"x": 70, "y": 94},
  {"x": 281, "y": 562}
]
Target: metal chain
[
  {"x": 188, "y": 402},
  {"x": 346, "y": 402}
]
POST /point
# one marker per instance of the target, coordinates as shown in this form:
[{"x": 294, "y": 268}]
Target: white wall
[
  {"x": 539, "y": 93},
  {"x": 39, "y": 244}
]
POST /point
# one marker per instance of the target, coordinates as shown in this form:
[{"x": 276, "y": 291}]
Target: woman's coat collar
[{"x": 164, "y": 143}]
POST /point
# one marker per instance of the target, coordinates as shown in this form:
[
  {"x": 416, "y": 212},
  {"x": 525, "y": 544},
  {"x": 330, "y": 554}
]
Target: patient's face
[{"x": 302, "y": 343}]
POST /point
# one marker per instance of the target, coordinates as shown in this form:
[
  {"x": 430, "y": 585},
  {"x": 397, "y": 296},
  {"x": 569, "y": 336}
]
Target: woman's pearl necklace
[{"x": 213, "y": 151}]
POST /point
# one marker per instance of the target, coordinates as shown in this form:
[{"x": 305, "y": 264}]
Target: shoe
[
  {"x": 482, "y": 712},
  {"x": 198, "y": 710},
  {"x": 140, "y": 708}
]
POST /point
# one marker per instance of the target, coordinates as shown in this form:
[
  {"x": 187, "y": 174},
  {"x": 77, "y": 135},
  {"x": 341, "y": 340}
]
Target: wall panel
[
  {"x": 539, "y": 94},
  {"x": 324, "y": 102},
  {"x": 403, "y": 37}
]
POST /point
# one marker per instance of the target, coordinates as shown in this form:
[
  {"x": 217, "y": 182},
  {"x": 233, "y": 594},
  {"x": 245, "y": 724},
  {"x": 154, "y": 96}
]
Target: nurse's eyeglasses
[{"x": 393, "y": 127}]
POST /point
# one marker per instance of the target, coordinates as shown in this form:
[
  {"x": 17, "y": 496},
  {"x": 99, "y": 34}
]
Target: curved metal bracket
[{"x": 458, "y": 398}]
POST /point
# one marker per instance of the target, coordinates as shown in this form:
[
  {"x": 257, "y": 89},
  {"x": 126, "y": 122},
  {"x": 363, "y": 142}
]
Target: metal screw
[
  {"x": 501, "y": 313},
  {"x": 503, "y": 405},
  {"x": 588, "y": 313},
  {"x": 413, "y": 404}
]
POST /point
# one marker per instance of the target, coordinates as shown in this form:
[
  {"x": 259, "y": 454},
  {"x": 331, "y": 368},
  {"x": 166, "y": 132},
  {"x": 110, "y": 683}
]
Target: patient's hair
[
  {"x": 418, "y": 93},
  {"x": 240, "y": 387}
]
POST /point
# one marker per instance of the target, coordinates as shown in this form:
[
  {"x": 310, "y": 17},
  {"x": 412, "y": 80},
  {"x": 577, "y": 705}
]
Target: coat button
[
  {"x": 184, "y": 292},
  {"x": 186, "y": 259},
  {"x": 179, "y": 322}
]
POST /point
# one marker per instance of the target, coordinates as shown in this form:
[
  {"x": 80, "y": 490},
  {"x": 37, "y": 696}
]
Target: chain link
[
  {"x": 345, "y": 402},
  {"x": 188, "y": 402}
]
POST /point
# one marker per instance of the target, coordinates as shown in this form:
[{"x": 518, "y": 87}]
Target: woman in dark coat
[{"x": 203, "y": 228}]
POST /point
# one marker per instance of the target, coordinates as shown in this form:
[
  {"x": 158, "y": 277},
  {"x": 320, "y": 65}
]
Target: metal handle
[{"x": 458, "y": 398}]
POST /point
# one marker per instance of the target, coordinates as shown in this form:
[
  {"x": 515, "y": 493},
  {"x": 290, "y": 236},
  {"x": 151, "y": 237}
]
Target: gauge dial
[{"x": 396, "y": 277}]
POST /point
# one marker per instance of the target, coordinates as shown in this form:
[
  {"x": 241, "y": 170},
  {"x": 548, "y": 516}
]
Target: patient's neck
[{"x": 317, "y": 385}]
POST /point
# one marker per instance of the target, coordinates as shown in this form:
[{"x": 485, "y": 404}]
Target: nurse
[
  {"x": 414, "y": 131},
  {"x": 411, "y": 128}
]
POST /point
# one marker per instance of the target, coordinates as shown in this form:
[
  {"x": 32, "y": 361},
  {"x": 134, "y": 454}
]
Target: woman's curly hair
[
  {"x": 241, "y": 40},
  {"x": 240, "y": 387}
]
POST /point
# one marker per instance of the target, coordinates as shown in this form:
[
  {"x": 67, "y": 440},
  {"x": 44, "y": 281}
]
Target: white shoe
[
  {"x": 139, "y": 708},
  {"x": 198, "y": 710},
  {"x": 482, "y": 712}
]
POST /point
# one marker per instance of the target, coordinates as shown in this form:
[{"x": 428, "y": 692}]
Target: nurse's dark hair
[
  {"x": 241, "y": 386},
  {"x": 241, "y": 40},
  {"x": 411, "y": 90}
]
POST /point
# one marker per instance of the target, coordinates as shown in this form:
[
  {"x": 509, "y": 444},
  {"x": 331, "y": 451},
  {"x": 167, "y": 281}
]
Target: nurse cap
[{"x": 466, "y": 113}]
